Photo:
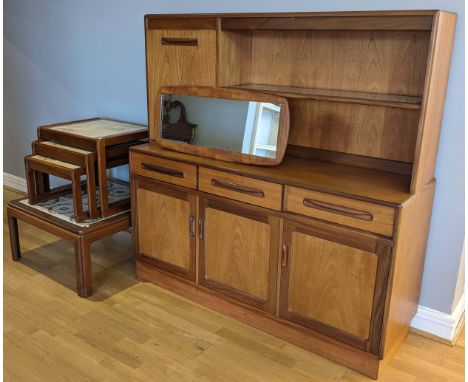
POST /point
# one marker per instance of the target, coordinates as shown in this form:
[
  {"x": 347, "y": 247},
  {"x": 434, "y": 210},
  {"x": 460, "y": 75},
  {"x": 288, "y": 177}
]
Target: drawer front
[
  {"x": 350, "y": 212},
  {"x": 244, "y": 189},
  {"x": 166, "y": 170}
]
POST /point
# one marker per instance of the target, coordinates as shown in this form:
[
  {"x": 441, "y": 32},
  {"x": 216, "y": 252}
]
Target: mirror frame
[{"x": 226, "y": 93}]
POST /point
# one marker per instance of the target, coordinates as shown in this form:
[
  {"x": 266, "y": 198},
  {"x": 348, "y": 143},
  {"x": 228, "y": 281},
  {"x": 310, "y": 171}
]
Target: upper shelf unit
[{"x": 367, "y": 85}]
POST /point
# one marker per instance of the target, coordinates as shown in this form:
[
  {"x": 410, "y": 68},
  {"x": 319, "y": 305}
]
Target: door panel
[
  {"x": 333, "y": 280},
  {"x": 332, "y": 283},
  {"x": 239, "y": 252},
  {"x": 166, "y": 222},
  {"x": 172, "y": 64}
]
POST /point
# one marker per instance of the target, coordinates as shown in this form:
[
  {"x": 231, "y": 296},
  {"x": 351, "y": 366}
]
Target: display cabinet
[{"x": 326, "y": 249}]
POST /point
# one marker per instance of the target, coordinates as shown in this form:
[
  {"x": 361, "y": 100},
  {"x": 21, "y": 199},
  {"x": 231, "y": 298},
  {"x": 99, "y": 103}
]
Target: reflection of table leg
[
  {"x": 14, "y": 238},
  {"x": 84, "y": 275},
  {"x": 102, "y": 175}
]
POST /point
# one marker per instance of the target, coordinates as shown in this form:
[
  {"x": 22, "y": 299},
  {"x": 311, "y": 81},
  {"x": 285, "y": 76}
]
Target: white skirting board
[
  {"x": 439, "y": 325},
  {"x": 14, "y": 182}
]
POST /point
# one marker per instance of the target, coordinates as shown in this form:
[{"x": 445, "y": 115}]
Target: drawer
[
  {"x": 350, "y": 212},
  {"x": 238, "y": 187},
  {"x": 166, "y": 170}
]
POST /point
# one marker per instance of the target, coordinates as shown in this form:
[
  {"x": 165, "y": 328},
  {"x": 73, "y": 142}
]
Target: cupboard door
[
  {"x": 176, "y": 58},
  {"x": 333, "y": 281},
  {"x": 164, "y": 233},
  {"x": 239, "y": 247}
]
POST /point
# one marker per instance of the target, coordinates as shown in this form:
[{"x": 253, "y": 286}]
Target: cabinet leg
[
  {"x": 84, "y": 276},
  {"x": 14, "y": 238}
]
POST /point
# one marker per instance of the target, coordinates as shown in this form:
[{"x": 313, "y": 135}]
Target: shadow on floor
[{"x": 112, "y": 264}]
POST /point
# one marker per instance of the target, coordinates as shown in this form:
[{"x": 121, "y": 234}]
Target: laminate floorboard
[{"x": 134, "y": 331}]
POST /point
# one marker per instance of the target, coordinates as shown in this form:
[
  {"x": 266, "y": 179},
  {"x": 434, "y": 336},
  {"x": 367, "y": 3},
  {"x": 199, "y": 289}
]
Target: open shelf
[{"x": 389, "y": 100}]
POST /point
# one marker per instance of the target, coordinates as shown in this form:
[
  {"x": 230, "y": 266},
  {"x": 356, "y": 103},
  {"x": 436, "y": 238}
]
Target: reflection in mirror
[{"x": 241, "y": 126}]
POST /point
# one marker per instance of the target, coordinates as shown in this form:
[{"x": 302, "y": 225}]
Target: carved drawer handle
[
  {"x": 346, "y": 211},
  {"x": 162, "y": 170},
  {"x": 179, "y": 41},
  {"x": 238, "y": 188}
]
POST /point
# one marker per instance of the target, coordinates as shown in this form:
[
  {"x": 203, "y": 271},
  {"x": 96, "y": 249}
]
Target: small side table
[
  {"x": 79, "y": 235},
  {"x": 101, "y": 136}
]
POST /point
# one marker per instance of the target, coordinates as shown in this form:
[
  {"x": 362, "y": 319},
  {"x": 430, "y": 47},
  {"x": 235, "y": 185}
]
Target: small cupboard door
[
  {"x": 179, "y": 57},
  {"x": 165, "y": 226},
  {"x": 333, "y": 281},
  {"x": 239, "y": 247}
]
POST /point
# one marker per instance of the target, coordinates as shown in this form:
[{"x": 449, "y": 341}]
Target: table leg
[
  {"x": 14, "y": 238},
  {"x": 42, "y": 183},
  {"x": 91, "y": 187},
  {"x": 31, "y": 183},
  {"x": 102, "y": 176},
  {"x": 77, "y": 200},
  {"x": 84, "y": 276}
]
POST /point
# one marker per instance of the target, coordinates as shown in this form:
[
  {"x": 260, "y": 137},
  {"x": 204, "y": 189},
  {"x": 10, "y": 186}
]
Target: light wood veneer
[
  {"x": 354, "y": 213},
  {"x": 244, "y": 189},
  {"x": 320, "y": 282},
  {"x": 168, "y": 171}
]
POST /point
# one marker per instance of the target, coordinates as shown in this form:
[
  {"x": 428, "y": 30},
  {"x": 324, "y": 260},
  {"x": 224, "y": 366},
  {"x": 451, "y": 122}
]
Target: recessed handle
[
  {"x": 201, "y": 228},
  {"x": 334, "y": 208},
  {"x": 192, "y": 225},
  {"x": 162, "y": 170},
  {"x": 238, "y": 188},
  {"x": 285, "y": 256},
  {"x": 179, "y": 41}
]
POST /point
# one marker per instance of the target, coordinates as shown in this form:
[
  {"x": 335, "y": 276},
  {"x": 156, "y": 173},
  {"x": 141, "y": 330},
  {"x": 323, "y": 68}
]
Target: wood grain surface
[
  {"x": 373, "y": 131},
  {"x": 331, "y": 22},
  {"x": 432, "y": 109},
  {"x": 169, "y": 65},
  {"x": 234, "y": 184},
  {"x": 165, "y": 235},
  {"x": 353, "y": 213},
  {"x": 367, "y": 61},
  {"x": 173, "y": 172},
  {"x": 236, "y": 248},
  {"x": 332, "y": 283},
  {"x": 406, "y": 275}
]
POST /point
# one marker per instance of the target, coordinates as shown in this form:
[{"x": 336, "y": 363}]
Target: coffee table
[
  {"x": 81, "y": 235},
  {"x": 99, "y": 135}
]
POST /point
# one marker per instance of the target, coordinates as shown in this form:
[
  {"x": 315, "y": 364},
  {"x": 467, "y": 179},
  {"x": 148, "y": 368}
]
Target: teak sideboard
[{"x": 325, "y": 250}]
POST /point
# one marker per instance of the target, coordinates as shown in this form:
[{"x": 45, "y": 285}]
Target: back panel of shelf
[{"x": 355, "y": 92}]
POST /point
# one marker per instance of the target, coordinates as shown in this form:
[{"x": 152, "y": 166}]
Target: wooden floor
[{"x": 134, "y": 331}]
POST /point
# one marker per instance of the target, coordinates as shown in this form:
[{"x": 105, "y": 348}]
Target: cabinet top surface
[
  {"x": 352, "y": 181},
  {"x": 416, "y": 12}
]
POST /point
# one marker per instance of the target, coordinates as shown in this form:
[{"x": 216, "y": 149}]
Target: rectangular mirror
[{"x": 228, "y": 124}]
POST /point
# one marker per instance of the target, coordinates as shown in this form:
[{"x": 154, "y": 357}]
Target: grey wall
[{"x": 66, "y": 59}]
